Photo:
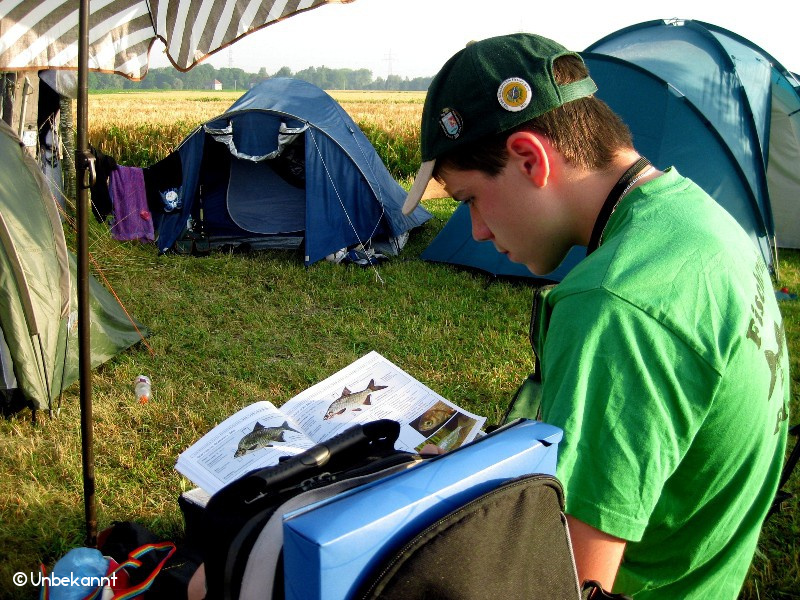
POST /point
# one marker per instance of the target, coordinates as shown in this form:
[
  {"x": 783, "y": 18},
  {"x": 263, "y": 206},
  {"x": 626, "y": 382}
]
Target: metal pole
[
  {"x": 23, "y": 107},
  {"x": 84, "y": 166}
]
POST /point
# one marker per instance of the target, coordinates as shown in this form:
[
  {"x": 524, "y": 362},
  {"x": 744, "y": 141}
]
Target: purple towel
[{"x": 132, "y": 219}]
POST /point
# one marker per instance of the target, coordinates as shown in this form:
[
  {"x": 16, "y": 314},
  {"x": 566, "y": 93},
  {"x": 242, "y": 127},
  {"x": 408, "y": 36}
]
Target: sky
[{"x": 413, "y": 38}]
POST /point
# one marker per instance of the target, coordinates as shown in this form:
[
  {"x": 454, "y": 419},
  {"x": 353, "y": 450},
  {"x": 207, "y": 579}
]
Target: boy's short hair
[{"x": 499, "y": 85}]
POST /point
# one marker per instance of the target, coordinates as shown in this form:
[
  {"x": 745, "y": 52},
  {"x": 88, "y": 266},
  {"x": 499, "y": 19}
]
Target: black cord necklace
[{"x": 629, "y": 177}]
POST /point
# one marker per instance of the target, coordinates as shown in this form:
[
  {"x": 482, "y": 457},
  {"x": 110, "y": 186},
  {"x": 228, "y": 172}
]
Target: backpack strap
[
  {"x": 526, "y": 402},
  {"x": 235, "y": 516},
  {"x": 592, "y": 590},
  {"x": 782, "y": 495},
  {"x": 135, "y": 562}
]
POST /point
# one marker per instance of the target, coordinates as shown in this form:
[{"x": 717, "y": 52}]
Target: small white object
[
  {"x": 29, "y": 138},
  {"x": 142, "y": 388},
  {"x": 337, "y": 256}
]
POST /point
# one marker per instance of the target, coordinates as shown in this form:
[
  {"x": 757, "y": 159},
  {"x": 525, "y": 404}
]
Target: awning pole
[{"x": 84, "y": 167}]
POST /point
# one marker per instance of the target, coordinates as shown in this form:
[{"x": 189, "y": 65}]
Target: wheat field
[{"x": 135, "y": 126}]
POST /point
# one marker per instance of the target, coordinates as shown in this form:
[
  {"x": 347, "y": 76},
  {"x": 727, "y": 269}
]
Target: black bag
[
  {"x": 511, "y": 542},
  {"x": 236, "y": 516}
]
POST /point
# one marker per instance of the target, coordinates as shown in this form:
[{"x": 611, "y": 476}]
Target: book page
[
  {"x": 256, "y": 436},
  {"x": 373, "y": 388}
]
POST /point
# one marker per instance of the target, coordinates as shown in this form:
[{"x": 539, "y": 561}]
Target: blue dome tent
[
  {"x": 704, "y": 99},
  {"x": 285, "y": 165}
]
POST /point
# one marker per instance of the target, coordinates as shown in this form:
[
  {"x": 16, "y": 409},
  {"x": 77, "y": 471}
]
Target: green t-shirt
[{"x": 665, "y": 362}]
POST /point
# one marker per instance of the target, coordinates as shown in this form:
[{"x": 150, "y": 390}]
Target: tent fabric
[
  {"x": 38, "y": 294},
  {"x": 268, "y": 204},
  {"x": 783, "y": 167},
  {"x": 705, "y": 100},
  {"x": 670, "y": 130},
  {"x": 344, "y": 196},
  {"x": 736, "y": 87},
  {"x": 43, "y": 33}
]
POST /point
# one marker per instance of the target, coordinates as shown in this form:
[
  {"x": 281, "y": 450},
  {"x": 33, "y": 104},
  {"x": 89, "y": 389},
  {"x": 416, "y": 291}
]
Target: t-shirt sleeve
[{"x": 623, "y": 387}]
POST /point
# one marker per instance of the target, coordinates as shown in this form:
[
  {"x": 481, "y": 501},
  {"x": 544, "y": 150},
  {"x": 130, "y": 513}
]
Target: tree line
[{"x": 202, "y": 77}]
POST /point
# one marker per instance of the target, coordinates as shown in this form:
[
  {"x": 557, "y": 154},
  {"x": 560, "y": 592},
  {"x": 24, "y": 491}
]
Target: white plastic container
[{"x": 142, "y": 388}]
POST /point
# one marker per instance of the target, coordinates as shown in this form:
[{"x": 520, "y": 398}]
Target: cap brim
[{"x": 418, "y": 187}]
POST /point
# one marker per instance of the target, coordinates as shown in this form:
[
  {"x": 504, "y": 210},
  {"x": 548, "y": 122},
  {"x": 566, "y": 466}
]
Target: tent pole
[{"x": 84, "y": 166}]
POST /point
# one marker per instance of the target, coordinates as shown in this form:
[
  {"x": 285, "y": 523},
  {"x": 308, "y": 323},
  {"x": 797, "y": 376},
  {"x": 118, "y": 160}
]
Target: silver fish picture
[
  {"x": 352, "y": 400},
  {"x": 452, "y": 439},
  {"x": 262, "y": 437}
]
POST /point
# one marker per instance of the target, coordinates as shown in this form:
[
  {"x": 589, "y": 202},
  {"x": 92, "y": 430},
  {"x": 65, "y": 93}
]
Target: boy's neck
[{"x": 590, "y": 189}]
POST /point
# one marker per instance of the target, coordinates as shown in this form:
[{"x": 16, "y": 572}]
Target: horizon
[{"x": 414, "y": 38}]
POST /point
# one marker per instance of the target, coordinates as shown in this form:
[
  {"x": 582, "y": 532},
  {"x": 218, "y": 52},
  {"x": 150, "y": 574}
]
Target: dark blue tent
[
  {"x": 696, "y": 96},
  {"x": 283, "y": 166}
]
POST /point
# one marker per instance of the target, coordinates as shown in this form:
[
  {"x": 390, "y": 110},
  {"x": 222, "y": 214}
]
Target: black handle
[{"x": 361, "y": 438}]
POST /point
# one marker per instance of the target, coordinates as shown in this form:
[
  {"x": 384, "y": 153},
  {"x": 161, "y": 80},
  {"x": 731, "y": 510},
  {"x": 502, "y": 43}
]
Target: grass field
[{"x": 229, "y": 329}]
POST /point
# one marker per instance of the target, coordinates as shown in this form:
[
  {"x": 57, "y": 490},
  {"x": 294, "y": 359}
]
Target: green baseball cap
[{"x": 489, "y": 87}]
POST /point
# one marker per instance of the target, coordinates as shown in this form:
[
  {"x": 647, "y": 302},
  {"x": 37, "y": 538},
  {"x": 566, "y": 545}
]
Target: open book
[{"x": 368, "y": 389}]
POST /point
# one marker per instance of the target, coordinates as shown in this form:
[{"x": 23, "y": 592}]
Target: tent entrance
[
  {"x": 265, "y": 189},
  {"x": 12, "y": 400},
  {"x": 257, "y": 199},
  {"x": 262, "y": 201}
]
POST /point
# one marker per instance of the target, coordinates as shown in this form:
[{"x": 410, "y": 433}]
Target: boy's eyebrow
[{"x": 454, "y": 195}]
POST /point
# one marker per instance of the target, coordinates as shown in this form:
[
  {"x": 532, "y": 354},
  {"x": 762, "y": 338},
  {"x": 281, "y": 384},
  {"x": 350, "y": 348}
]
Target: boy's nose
[{"x": 480, "y": 231}]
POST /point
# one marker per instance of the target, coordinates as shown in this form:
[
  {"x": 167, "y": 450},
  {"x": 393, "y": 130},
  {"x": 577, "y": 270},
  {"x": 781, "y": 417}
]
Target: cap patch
[
  {"x": 514, "y": 94},
  {"x": 451, "y": 122}
]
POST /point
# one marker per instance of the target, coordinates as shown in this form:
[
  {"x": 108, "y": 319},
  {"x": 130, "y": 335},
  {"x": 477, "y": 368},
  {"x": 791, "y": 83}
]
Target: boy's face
[{"x": 525, "y": 222}]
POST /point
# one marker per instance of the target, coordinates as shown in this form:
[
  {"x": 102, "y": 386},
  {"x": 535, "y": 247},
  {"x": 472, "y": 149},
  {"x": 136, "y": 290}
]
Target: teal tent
[
  {"x": 706, "y": 100},
  {"x": 38, "y": 293}
]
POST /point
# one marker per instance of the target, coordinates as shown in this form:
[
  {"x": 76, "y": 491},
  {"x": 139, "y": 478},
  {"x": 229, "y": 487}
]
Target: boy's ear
[{"x": 527, "y": 150}]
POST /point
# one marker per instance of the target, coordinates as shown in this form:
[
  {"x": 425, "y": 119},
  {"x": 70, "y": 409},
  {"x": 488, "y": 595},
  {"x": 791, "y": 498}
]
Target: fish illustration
[
  {"x": 262, "y": 437},
  {"x": 433, "y": 417},
  {"x": 774, "y": 358},
  {"x": 352, "y": 400},
  {"x": 449, "y": 442}
]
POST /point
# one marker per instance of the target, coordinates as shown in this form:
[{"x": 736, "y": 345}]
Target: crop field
[{"x": 231, "y": 328}]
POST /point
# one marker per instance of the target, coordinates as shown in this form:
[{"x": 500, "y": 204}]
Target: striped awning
[{"x": 38, "y": 34}]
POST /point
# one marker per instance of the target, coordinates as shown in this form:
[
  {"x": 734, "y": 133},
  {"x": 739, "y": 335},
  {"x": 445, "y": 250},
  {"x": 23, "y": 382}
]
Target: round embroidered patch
[
  {"x": 514, "y": 94},
  {"x": 451, "y": 122}
]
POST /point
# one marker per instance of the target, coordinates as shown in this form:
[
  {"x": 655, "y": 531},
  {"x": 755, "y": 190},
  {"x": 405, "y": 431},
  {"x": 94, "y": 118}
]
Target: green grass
[
  {"x": 775, "y": 572},
  {"x": 229, "y": 329}
]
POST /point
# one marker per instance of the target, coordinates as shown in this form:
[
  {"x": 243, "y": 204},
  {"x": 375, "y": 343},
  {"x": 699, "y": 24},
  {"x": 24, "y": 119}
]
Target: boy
[{"x": 662, "y": 353}]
